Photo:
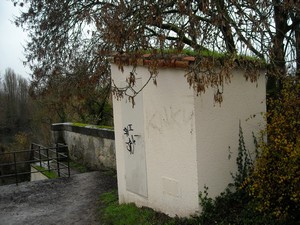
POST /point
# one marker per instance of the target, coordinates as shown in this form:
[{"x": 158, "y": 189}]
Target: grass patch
[
  {"x": 109, "y": 172},
  {"x": 50, "y": 174},
  {"x": 104, "y": 127},
  {"x": 113, "y": 213},
  {"x": 226, "y": 209},
  {"x": 93, "y": 126},
  {"x": 186, "y": 51},
  {"x": 78, "y": 167},
  {"x": 79, "y": 124}
]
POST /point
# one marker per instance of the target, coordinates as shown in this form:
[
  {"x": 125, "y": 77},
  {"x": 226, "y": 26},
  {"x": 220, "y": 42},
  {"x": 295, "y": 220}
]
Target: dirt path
[{"x": 58, "y": 201}]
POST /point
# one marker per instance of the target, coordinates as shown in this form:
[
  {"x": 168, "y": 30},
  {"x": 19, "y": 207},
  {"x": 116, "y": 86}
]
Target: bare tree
[
  {"x": 79, "y": 96},
  {"x": 63, "y": 31},
  {"x": 14, "y": 99},
  {"x": 10, "y": 89}
]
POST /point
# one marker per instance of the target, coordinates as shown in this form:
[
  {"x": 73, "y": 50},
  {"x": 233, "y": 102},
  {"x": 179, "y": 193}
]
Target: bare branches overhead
[{"x": 62, "y": 31}]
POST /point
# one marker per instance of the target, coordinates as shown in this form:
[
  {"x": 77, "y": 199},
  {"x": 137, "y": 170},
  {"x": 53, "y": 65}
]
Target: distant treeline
[
  {"x": 15, "y": 120},
  {"x": 28, "y": 108},
  {"x": 14, "y": 105}
]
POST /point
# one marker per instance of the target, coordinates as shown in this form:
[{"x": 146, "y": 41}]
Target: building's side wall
[
  {"x": 120, "y": 163},
  {"x": 169, "y": 141},
  {"x": 217, "y": 129},
  {"x": 93, "y": 147}
]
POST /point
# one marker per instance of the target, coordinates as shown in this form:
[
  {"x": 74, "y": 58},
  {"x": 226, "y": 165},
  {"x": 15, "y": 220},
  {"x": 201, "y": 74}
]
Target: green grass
[
  {"x": 79, "y": 124},
  {"x": 50, "y": 174},
  {"x": 90, "y": 125},
  {"x": 225, "y": 210},
  {"x": 113, "y": 213},
  {"x": 187, "y": 51},
  {"x": 109, "y": 172},
  {"x": 104, "y": 127},
  {"x": 78, "y": 167}
]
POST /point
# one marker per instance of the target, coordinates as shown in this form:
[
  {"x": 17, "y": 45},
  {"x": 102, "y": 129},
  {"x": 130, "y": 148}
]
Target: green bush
[
  {"x": 275, "y": 182},
  {"x": 232, "y": 207},
  {"x": 236, "y": 205}
]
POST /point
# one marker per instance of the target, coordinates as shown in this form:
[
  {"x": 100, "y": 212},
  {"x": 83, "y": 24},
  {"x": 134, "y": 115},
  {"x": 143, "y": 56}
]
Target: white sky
[{"x": 11, "y": 40}]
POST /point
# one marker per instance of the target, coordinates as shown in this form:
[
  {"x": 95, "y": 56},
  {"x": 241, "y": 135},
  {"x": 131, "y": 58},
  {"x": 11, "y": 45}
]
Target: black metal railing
[{"x": 16, "y": 166}]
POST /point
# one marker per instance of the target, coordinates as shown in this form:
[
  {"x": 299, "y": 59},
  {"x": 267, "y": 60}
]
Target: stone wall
[{"x": 89, "y": 145}]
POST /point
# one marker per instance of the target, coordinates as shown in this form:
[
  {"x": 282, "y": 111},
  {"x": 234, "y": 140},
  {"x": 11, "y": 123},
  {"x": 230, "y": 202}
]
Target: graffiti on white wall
[{"x": 130, "y": 143}]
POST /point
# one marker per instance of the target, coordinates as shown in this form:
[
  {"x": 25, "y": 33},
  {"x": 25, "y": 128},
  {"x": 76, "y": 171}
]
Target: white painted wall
[
  {"x": 217, "y": 128},
  {"x": 171, "y": 144},
  {"x": 185, "y": 138}
]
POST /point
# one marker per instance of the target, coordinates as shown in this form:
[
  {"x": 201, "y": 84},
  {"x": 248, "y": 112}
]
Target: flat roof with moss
[{"x": 185, "y": 58}]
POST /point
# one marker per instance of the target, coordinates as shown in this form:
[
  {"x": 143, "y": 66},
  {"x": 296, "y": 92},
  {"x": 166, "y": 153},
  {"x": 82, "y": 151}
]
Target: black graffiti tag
[{"x": 131, "y": 142}]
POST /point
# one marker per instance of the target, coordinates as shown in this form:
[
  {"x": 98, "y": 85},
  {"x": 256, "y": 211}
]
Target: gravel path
[{"x": 58, "y": 201}]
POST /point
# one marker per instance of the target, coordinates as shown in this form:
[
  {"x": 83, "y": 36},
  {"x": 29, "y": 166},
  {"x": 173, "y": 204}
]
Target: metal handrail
[{"x": 36, "y": 155}]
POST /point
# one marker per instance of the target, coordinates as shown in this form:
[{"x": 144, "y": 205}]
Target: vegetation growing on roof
[
  {"x": 206, "y": 69},
  {"x": 205, "y": 53}
]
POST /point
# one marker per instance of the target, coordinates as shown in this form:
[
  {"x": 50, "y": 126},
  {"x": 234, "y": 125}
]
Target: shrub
[
  {"x": 238, "y": 205},
  {"x": 235, "y": 205},
  {"x": 275, "y": 182}
]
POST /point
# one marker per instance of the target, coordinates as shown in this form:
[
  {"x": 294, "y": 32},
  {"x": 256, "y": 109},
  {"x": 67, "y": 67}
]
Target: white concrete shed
[{"x": 173, "y": 143}]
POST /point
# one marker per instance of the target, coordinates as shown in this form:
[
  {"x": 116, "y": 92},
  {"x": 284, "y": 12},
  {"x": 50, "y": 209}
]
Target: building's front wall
[
  {"x": 181, "y": 139},
  {"x": 217, "y": 129},
  {"x": 169, "y": 143}
]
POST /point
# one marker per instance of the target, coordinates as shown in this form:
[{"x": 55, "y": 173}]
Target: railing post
[
  {"x": 38, "y": 149},
  {"x": 68, "y": 161},
  {"x": 16, "y": 170},
  {"x": 57, "y": 162},
  {"x": 40, "y": 156},
  {"x": 48, "y": 163},
  {"x": 31, "y": 153}
]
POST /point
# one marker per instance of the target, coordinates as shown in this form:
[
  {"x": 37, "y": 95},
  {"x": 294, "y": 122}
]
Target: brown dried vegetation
[{"x": 62, "y": 32}]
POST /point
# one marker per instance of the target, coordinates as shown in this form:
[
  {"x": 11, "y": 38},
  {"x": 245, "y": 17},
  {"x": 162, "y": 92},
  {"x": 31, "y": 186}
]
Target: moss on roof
[{"x": 191, "y": 56}]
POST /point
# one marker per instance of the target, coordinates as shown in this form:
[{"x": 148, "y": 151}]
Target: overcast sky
[{"x": 11, "y": 40}]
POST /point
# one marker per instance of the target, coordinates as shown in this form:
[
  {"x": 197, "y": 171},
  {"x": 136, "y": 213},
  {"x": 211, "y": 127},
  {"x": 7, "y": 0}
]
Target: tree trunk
[{"x": 277, "y": 53}]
